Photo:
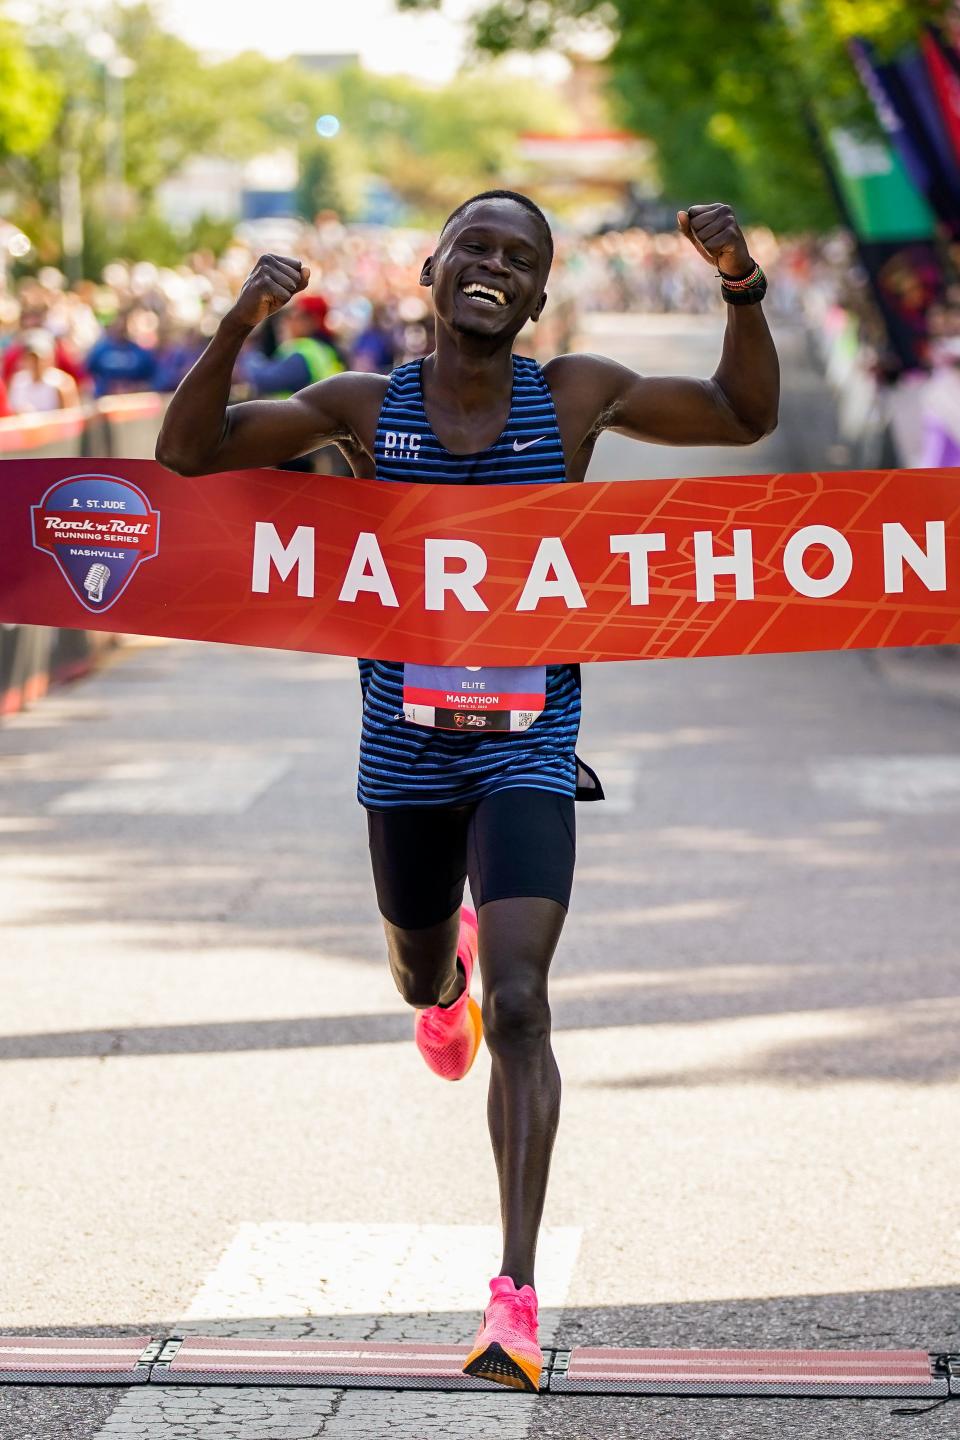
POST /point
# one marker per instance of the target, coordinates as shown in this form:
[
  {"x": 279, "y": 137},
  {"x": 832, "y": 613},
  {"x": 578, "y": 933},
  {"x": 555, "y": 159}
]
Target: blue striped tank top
[{"x": 406, "y": 764}]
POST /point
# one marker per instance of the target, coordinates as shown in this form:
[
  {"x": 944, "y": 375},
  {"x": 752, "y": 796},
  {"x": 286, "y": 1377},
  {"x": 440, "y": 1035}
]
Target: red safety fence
[
  {"x": 120, "y": 426},
  {"x": 33, "y": 657}
]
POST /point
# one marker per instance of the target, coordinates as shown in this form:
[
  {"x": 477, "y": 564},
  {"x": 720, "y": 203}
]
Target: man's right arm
[{"x": 202, "y": 434}]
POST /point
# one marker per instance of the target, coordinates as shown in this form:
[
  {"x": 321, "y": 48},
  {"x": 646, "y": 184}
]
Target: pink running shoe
[
  {"x": 449, "y": 1038},
  {"x": 506, "y": 1349}
]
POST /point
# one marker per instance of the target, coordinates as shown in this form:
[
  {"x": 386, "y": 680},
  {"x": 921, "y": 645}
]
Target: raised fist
[
  {"x": 714, "y": 232},
  {"x": 273, "y": 281}
]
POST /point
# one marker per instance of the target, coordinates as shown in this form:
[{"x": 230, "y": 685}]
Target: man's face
[{"x": 488, "y": 272}]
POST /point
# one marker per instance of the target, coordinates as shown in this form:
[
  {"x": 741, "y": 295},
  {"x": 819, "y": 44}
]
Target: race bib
[{"x": 473, "y": 698}]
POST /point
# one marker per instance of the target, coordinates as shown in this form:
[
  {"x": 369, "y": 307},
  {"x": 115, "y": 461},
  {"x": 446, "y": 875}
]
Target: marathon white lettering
[
  {"x": 817, "y": 587},
  {"x": 930, "y": 565},
  {"x": 551, "y": 556},
  {"x": 367, "y": 571},
  {"x": 551, "y": 575},
  {"x": 709, "y": 565},
  {"x": 462, "y": 583},
  {"x": 638, "y": 548},
  {"x": 269, "y": 549}
]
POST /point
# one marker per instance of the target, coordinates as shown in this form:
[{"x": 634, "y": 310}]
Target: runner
[{"x": 495, "y": 803}]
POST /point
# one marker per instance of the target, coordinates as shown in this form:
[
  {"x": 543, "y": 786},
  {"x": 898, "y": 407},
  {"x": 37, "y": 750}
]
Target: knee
[{"x": 515, "y": 1014}]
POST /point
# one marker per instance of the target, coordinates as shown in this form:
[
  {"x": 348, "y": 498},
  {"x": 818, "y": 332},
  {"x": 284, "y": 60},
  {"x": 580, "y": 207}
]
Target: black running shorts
[{"x": 512, "y": 843}]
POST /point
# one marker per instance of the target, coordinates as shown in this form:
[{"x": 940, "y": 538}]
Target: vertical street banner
[
  {"x": 894, "y": 229},
  {"x": 897, "y": 189},
  {"x": 943, "y": 67},
  {"x": 907, "y": 104}
]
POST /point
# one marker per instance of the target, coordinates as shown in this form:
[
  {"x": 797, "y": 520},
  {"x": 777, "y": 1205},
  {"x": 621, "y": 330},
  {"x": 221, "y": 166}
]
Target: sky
[{"x": 428, "y": 46}]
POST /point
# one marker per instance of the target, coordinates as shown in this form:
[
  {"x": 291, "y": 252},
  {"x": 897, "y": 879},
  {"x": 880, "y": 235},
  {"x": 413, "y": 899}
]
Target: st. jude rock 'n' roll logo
[{"x": 98, "y": 529}]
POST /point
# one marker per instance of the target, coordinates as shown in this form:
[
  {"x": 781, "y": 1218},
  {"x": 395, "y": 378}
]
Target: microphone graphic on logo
[{"x": 96, "y": 578}]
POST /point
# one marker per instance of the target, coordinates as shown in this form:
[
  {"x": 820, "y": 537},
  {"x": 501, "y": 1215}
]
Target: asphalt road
[{"x": 213, "y": 1117}]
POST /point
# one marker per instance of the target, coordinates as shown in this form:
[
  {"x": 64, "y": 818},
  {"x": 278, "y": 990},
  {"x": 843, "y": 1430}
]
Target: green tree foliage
[
  {"x": 57, "y": 100},
  {"x": 167, "y": 114},
  {"x": 319, "y": 186},
  {"x": 169, "y": 111},
  {"x": 29, "y": 100},
  {"x": 727, "y": 95},
  {"x": 432, "y": 144}
]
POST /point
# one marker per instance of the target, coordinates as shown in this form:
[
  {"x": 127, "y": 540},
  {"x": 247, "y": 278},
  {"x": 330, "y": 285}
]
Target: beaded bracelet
[
  {"x": 754, "y": 278},
  {"x": 748, "y": 291}
]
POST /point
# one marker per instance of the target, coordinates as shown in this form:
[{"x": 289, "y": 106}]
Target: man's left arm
[{"x": 739, "y": 403}]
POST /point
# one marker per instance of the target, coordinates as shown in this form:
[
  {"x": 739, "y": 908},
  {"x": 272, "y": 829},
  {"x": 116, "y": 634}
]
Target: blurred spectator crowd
[
  {"x": 141, "y": 327},
  {"x": 916, "y": 408}
]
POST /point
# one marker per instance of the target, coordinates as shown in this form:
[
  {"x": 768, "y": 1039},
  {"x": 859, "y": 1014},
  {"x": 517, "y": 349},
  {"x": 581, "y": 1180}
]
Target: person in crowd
[
  {"x": 306, "y": 353},
  {"x": 118, "y": 364},
  {"x": 178, "y": 349},
  {"x": 940, "y": 406},
  {"x": 375, "y": 348},
  {"x": 37, "y": 383},
  {"x": 32, "y": 320}
]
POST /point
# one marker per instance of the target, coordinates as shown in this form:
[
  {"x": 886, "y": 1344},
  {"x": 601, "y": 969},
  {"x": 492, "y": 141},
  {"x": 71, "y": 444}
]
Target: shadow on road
[{"x": 897, "y": 1043}]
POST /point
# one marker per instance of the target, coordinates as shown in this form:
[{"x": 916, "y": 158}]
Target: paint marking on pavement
[
  {"x": 212, "y": 785},
  {"x": 405, "y": 1282},
  {"x": 284, "y": 1269},
  {"x": 898, "y": 784}
]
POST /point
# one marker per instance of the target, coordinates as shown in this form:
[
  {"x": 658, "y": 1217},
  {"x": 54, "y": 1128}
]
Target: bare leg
[
  {"x": 424, "y": 962},
  {"x": 517, "y": 941}
]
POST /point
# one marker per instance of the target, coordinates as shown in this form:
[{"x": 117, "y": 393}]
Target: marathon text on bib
[{"x": 473, "y": 698}]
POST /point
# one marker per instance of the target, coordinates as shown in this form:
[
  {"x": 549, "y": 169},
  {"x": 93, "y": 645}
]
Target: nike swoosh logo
[{"x": 527, "y": 443}]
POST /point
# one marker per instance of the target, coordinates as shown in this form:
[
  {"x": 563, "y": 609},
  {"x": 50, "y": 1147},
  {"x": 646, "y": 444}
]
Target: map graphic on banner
[{"x": 486, "y": 575}]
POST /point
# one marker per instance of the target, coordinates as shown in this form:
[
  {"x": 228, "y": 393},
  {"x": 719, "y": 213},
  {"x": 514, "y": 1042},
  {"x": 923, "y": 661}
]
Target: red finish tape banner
[{"x": 485, "y": 574}]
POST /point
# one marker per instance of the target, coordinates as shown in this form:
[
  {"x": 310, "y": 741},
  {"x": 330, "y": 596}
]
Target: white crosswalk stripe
[{"x": 286, "y": 1268}]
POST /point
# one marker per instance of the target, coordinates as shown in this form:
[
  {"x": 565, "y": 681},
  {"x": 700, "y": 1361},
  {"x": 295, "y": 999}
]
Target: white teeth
[{"x": 483, "y": 292}]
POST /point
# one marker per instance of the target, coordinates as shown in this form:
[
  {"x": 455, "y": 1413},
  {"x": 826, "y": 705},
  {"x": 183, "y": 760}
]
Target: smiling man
[{"x": 471, "y": 771}]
